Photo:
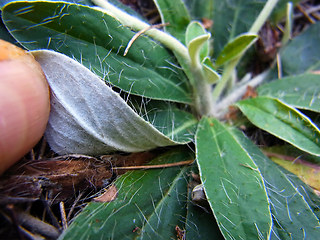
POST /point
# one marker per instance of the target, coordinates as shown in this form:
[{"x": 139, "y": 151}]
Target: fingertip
[{"x": 24, "y": 109}]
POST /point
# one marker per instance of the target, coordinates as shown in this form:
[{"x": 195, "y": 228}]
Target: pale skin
[{"x": 24, "y": 109}]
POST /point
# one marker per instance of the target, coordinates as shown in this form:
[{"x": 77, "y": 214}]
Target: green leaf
[
  {"x": 287, "y": 31},
  {"x": 311, "y": 198},
  {"x": 233, "y": 183},
  {"x": 98, "y": 41},
  {"x": 292, "y": 216},
  {"x": 87, "y": 116},
  {"x": 302, "y": 91},
  {"x": 149, "y": 205},
  {"x": 292, "y": 152},
  {"x": 4, "y": 2},
  {"x": 197, "y": 41},
  {"x": 123, "y": 7},
  {"x": 173, "y": 122},
  {"x": 307, "y": 172},
  {"x": 194, "y": 30},
  {"x": 200, "y": 9},
  {"x": 176, "y": 14},
  {"x": 194, "y": 48},
  {"x": 4, "y": 34},
  {"x": 200, "y": 222},
  {"x": 281, "y": 10},
  {"x": 209, "y": 70},
  {"x": 235, "y": 48},
  {"x": 302, "y": 54},
  {"x": 232, "y": 18},
  {"x": 283, "y": 121}
]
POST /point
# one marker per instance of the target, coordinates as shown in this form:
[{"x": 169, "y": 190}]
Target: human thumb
[{"x": 24, "y": 103}]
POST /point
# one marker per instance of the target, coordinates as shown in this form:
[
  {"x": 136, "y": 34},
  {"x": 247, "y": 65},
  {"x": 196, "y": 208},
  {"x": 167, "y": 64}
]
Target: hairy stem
[
  {"x": 202, "y": 93},
  {"x": 226, "y": 76}
]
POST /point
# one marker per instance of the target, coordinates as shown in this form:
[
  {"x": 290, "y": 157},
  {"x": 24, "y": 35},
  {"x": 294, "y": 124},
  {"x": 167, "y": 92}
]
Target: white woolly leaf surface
[{"x": 87, "y": 116}]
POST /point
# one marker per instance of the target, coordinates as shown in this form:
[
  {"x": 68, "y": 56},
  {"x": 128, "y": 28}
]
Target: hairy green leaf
[
  {"x": 197, "y": 41},
  {"x": 87, "y": 116},
  {"x": 176, "y": 14},
  {"x": 302, "y": 91},
  {"x": 232, "y": 18},
  {"x": 195, "y": 47},
  {"x": 292, "y": 152},
  {"x": 233, "y": 183},
  {"x": 235, "y": 48},
  {"x": 200, "y": 9},
  {"x": 307, "y": 172},
  {"x": 173, "y": 122},
  {"x": 293, "y": 218},
  {"x": 149, "y": 205},
  {"x": 283, "y": 121},
  {"x": 98, "y": 41},
  {"x": 302, "y": 54},
  {"x": 83, "y": 2},
  {"x": 4, "y": 34},
  {"x": 209, "y": 70},
  {"x": 311, "y": 198}
]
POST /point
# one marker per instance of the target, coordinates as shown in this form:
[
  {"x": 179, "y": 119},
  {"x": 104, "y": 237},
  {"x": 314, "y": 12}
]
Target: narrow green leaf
[
  {"x": 173, "y": 122},
  {"x": 232, "y": 18},
  {"x": 149, "y": 205},
  {"x": 194, "y": 30},
  {"x": 302, "y": 91},
  {"x": 233, "y": 183},
  {"x": 302, "y": 54},
  {"x": 235, "y": 48},
  {"x": 281, "y": 10},
  {"x": 98, "y": 41},
  {"x": 287, "y": 32},
  {"x": 211, "y": 75},
  {"x": 194, "y": 48},
  {"x": 197, "y": 41},
  {"x": 4, "y": 34},
  {"x": 283, "y": 121},
  {"x": 200, "y": 9},
  {"x": 311, "y": 198},
  {"x": 176, "y": 14},
  {"x": 292, "y": 152},
  {"x": 292, "y": 216},
  {"x": 307, "y": 172}
]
